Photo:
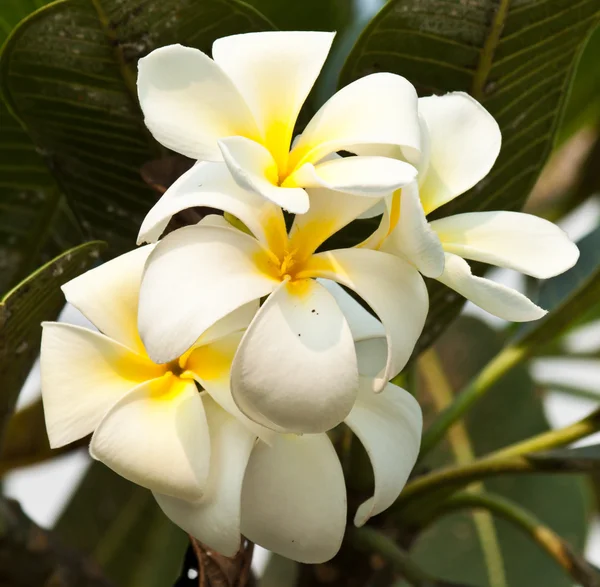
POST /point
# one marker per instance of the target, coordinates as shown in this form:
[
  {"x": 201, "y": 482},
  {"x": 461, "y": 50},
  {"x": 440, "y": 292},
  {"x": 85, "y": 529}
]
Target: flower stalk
[
  {"x": 510, "y": 357},
  {"x": 441, "y": 391},
  {"x": 512, "y": 459}
]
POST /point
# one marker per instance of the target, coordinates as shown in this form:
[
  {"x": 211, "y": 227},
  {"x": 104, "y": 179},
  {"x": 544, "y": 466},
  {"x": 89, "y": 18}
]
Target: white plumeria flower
[
  {"x": 461, "y": 142},
  {"x": 289, "y": 496},
  {"x": 209, "y": 467},
  {"x": 296, "y": 367},
  {"x": 148, "y": 420},
  {"x": 242, "y": 108}
]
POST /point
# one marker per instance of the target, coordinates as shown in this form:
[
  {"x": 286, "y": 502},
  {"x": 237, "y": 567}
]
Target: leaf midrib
[{"x": 489, "y": 48}]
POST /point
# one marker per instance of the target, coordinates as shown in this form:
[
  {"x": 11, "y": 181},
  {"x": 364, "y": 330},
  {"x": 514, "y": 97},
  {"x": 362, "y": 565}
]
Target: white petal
[
  {"x": 83, "y": 374},
  {"x": 377, "y": 210},
  {"x": 329, "y": 212},
  {"x": 254, "y": 168},
  {"x": 368, "y": 332},
  {"x": 157, "y": 437},
  {"x": 413, "y": 238},
  {"x": 195, "y": 276},
  {"x": 212, "y": 185},
  {"x": 215, "y": 519},
  {"x": 494, "y": 298},
  {"x": 234, "y": 322},
  {"x": 294, "y": 498},
  {"x": 210, "y": 365},
  {"x": 361, "y": 176},
  {"x": 389, "y": 219},
  {"x": 378, "y": 109},
  {"x": 363, "y": 324},
  {"x": 108, "y": 296},
  {"x": 462, "y": 143},
  {"x": 389, "y": 426},
  {"x": 189, "y": 103},
  {"x": 513, "y": 240},
  {"x": 371, "y": 354},
  {"x": 391, "y": 287},
  {"x": 295, "y": 369},
  {"x": 274, "y": 71}
]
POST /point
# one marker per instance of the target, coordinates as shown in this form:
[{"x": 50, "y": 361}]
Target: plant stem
[
  {"x": 506, "y": 460},
  {"x": 552, "y": 438},
  {"x": 367, "y": 538},
  {"x": 548, "y": 540},
  {"x": 442, "y": 394},
  {"x": 492, "y": 372}
]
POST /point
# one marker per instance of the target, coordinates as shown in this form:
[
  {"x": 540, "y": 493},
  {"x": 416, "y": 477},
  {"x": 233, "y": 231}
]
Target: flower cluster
[{"x": 227, "y": 350}]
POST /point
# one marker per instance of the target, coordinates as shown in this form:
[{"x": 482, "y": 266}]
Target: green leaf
[
  {"x": 516, "y": 58},
  {"x": 22, "y": 309},
  {"x": 68, "y": 73},
  {"x": 25, "y": 440},
  {"x": 511, "y": 411},
  {"x": 306, "y": 15},
  {"x": 35, "y": 222},
  {"x": 34, "y": 557},
  {"x": 120, "y": 525},
  {"x": 568, "y": 297},
  {"x": 583, "y": 106}
]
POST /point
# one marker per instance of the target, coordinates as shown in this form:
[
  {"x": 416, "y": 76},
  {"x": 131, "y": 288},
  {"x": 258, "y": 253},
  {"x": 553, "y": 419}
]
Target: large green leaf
[
  {"x": 517, "y": 58},
  {"x": 583, "y": 107},
  {"x": 34, "y": 557},
  {"x": 68, "y": 72},
  {"x": 120, "y": 525},
  {"x": 510, "y": 412},
  {"x": 22, "y": 309},
  {"x": 34, "y": 217},
  {"x": 306, "y": 15}
]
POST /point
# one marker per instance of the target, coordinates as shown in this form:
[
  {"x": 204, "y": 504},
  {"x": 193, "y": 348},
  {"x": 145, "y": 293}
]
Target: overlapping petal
[
  {"x": 189, "y": 102},
  {"x": 254, "y": 168},
  {"x": 295, "y": 369},
  {"x": 389, "y": 426},
  {"x": 274, "y": 71},
  {"x": 363, "y": 324},
  {"x": 513, "y": 240},
  {"x": 413, "y": 238},
  {"x": 495, "y": 298},
  {"x": 378, "y": 109},
  {"x": 215, "y": 519},
  {"x": 94, "y": 294},
  {"x": 210, "y": 366},
  {"x": 294, "y": 498},
  {"x": 361, "y": 176},
  {"x": 194, "y": 277},
  {"x": 157, "y": 437},
  {"x": 461, "y": 144},
  {"x": 231, "y": 324},
  {"x": 391, "y": 287},
  {"x": 83, "y": 374},
  {"x": 329, "y": 212},
  {"x": 212, "y": 185}
]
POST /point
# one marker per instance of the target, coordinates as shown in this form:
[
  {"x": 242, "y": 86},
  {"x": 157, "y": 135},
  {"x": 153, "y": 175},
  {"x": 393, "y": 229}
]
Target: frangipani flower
[
  {"x": 289, "y": 496},
  {"x": 461, "y": 141},
  {"x": 212, "y": 471},
  {"x": 149, "y": 422},
  {"x": 242, "y": 108},
  {"x": 296, "y": 367}
]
